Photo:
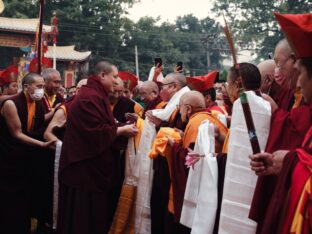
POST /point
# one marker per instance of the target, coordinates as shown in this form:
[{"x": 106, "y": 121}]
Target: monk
[
  {"x": 87, "y": 166},
  {"x": 268, "y": 83},
  {"x": 291, "y": 120},
  {"x": 192, "y": 108},
  {"x": 160, "y": 217},
  {"x": 289, "y": 206},
  {"x": 285, "y": 76},
  {"x": 149, "y": 92},
  {"x": 8, "y": 82},
  {"x": 60, "y": 116},
  {"x": 21, "y": 123},
  {"x": 52, "y": 98}
]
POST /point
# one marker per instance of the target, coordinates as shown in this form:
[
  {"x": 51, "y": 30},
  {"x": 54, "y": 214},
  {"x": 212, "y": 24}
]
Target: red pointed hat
[
  {"x": 298, "y": 30},
  {"x": 130, "y": 79},
  {"x": 203, "y": 83},
  {"x": 46, "y": 63},
  {"x": 9, "y": 75}
]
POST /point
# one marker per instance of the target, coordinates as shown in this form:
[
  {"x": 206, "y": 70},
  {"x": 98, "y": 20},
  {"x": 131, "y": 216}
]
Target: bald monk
[
  {"x": 268, "y": 83},
  {"x": 87, "y": 167},
  {"x": 149, "y": 92},
  {"x": 19, "y": 134},
  {"x": 192, "y": 108},
  {"x": 60, "y": 116}
]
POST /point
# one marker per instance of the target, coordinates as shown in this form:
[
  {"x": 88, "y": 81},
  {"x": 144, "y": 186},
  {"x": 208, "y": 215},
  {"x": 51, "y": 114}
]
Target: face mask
[
  {"x": 37, "y": 95},
  {"x": 279, "y": 76}
]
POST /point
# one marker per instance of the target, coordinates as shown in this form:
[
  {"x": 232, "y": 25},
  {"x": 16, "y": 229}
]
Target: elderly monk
[
  {"x": 52, "y": 98},
  {"x": 60, "y": 116},
  {"x": 192, "y": 108},
  {"x": 289, "y": 209},
  {"x": 268, "y": 83},
  {"x": 19, "y": 134},
  {"x": 149, "y": 92},
  {"x": 87, "y": 166},
  {"x": 173, "y": 86}
]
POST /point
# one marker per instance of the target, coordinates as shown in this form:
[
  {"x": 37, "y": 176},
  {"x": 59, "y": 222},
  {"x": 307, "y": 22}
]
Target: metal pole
[
  {"x": 54, "y": 56},
  {"x": 136, "y": 61}
]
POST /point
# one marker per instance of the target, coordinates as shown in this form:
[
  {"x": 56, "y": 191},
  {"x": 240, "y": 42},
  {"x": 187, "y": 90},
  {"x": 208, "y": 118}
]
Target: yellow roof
[
  {"x": 67, "y": 53},
  {"x": 21, "y": 25}
]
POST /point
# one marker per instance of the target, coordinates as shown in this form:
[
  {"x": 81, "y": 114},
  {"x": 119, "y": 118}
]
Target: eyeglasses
[{"x": 283, "y": 63}]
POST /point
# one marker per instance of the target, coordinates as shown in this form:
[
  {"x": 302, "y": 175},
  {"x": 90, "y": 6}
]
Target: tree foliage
[
  {"x": 254, "y": 24},
  {"x": 102, "y": 27}
]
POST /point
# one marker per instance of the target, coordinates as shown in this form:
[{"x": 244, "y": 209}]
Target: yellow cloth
[
  {"x": 161, "y": 105},
  {"x": 139, "y": 125},
  {"x": 31, "y": 110},
  {"x": 160, "y": 144},
  {"x": 226, "y": 143},
  {"x": 51, "y": 99},
  {"x": 64, "y": 109},
  {"x": 138, "y": 109},
  {"x": 298, "y": 97},
  {"x": 301, "y": 215},
  {"x": 191, "y": 130}
]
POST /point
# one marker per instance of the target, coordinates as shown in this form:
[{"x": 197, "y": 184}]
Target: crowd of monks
[{"x": 168, "y": 155}]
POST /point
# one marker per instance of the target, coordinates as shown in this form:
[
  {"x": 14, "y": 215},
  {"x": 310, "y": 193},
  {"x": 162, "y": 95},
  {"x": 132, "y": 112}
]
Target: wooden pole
[{"x": 39, "y": 55}]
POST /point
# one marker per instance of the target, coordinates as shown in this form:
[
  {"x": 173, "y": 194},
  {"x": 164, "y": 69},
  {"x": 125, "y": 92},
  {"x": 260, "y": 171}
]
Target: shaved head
[
  {"x": 150, "y": 86},
  {"x": 193, "y": 98},
  {"x": 190, "y": 103},
  {"x": 266, "y": 67},
  {"x": 177, "y": 78}
]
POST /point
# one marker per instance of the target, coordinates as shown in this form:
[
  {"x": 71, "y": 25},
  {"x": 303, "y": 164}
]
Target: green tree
[{"x": 253, "y": 23}]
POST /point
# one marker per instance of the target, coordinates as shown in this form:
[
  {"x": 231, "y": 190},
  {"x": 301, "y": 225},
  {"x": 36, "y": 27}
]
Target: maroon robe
[
  {"x": 15, "y": 167},
  {"x": 123, "y": 106},
  {"x": 284, "y": 97},
  {"x": 287, "y": 133},
  {"x": 87, "y": 166}
]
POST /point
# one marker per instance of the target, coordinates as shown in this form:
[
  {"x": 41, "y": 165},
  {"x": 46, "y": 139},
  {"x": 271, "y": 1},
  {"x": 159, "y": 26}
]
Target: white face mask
[{"x": 37, "y": 95}]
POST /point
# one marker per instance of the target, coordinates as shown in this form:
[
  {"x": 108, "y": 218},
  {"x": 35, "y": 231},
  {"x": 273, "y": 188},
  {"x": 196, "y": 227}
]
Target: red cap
[
  {"x": 298, "y": 30},
  {"x": 46, "y": 63},
  {"x": 9, "y": 75},
  {"x": 203, "y": 83},
  {"x": 130, "y": 79}
]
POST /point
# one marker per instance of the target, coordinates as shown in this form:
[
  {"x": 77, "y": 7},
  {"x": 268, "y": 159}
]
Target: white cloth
[
  {"x": 240, "y": 181},
  {"x": 201, "y": 193},
  {"x": 56, "y": 184},
  {"x": 160, "y": 77},
  {"x": 131, "y": 167},
  {"x": 143, "y": 212}
]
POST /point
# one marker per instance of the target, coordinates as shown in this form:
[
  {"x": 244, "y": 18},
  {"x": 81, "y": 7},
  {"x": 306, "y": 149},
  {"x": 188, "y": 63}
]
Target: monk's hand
[
  {"x": 129, "y": 130},
  {"x": 262, "y": 164},
  {"x": 170, "y": 140},
  {"x": 177, "y": 69},
  {"x": 192, "y": 158},
  {"x": 131, "y": 117},
  {"x": 149, "y": 115},
  {"x": 49, "y": 144},
  {"x": 179, "y": 131}
]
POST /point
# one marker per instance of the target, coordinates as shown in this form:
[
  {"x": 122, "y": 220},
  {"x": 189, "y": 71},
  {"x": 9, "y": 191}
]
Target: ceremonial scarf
[
  {"x": 201, "y": 193},
  {"x": 239, "y": 182}
]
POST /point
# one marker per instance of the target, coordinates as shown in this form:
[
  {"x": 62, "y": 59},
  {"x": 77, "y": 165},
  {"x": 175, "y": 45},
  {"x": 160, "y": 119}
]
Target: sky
[{"x": 169, "y": 10}]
